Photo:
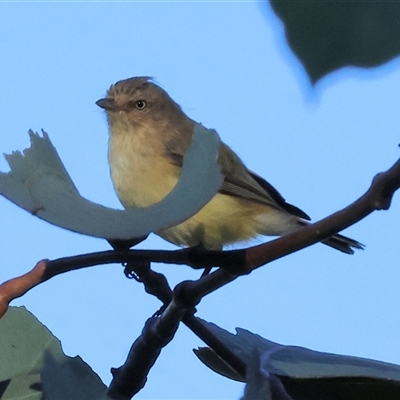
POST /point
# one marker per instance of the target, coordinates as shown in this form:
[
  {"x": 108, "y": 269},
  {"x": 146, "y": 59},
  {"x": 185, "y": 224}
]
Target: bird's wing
[
  {"x": 279, "y": 199},
  {"x": 242, "y": 183}
]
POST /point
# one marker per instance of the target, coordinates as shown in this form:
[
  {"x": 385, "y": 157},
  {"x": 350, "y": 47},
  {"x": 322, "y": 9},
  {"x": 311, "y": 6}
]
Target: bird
[{"x": 149, "y": 134}]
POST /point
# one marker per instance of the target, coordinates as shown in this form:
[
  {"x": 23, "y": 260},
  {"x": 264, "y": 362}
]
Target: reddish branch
[{"x": 17, "y": 287}]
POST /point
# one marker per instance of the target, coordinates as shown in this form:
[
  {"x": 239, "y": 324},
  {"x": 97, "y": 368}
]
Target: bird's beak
[{"x": 108, "y": 104}]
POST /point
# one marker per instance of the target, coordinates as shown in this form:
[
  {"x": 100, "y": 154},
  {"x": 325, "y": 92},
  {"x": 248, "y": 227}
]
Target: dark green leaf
[{"x": 329, "y": 35}]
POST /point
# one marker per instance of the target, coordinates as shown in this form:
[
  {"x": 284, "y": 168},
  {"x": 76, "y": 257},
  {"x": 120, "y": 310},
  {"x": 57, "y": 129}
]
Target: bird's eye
[{"x": 140, "y": 104}]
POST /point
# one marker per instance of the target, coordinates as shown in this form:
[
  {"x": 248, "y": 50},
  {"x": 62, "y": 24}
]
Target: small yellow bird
[{"x": 149, "y": 134}]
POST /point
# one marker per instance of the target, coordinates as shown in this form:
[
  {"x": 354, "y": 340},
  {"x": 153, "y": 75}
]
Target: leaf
[
  {"x": 33, "y": 363},
  {"x": 287, "y": 372},
  {"x": 329, "y": 35},
  {"x": 39, "y": 183}
]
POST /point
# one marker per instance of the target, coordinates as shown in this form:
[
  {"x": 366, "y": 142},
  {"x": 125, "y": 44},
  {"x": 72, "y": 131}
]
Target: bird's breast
[{"x": 140, "y": 173}]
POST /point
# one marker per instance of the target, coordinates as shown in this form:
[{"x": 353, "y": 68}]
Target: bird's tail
[
  {"x": 340, "y": 242},
  {"x": 343, "y": 243}
]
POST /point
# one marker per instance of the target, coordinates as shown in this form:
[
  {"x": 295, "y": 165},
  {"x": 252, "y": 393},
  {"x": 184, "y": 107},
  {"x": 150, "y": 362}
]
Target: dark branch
[
  {"x": 194, "y": 257},
  {"x": 132, "y": 376}
]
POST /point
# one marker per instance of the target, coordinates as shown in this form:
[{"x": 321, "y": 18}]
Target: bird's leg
[
  {"x": 200, "y": 248},
  {"x": 206, "y": 271}
]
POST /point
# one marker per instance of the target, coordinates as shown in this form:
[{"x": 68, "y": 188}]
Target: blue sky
[{"x": 228, "y": 66}]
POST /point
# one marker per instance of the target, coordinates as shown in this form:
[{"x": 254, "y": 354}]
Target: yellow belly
[{"x": 224, "y": 220}]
